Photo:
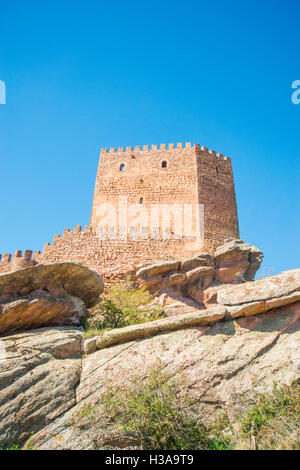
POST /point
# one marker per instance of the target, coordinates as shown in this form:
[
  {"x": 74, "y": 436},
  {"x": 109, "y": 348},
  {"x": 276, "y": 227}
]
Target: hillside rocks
[
  {"x": 37, "y": 310},
  {"x": 271, "y": 288},
  {"x": 195, "y": 318},
  {"x": 237, "y": 261},
  {"x": 256, "y": 297},
  {"x": 261, "y": 296},
  {"x": 55, "y": 294},
  {"x": 215, "y": 368},
  {"x": 57, "y": 279},
  {"x": 234, "y": 262},
  {"x": 244, "y": 300},
  {"x": 203, "y": 259},
  {"x": 53, "y": 381},
  {"x": 162, "y": 267},
  {"x": 38, "y": 380}
]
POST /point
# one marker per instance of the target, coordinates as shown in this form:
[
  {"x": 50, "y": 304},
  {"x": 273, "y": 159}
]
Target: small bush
[
  {"x": 87, "y": 411},
  {"x": 13, "y": 447},
  {"x": 274, "y": 421},
  {"x": 18, "y": 447},
  {"x": 151, "y": 413},
  {"x": 124, "y": 304}
]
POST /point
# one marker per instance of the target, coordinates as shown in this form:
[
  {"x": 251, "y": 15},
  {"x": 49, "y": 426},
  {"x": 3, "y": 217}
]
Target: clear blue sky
[{"x": 85, "y": 75}]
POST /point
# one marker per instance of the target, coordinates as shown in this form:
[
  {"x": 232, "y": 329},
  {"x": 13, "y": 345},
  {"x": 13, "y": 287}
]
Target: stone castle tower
[{"x": 174, "y": 175}]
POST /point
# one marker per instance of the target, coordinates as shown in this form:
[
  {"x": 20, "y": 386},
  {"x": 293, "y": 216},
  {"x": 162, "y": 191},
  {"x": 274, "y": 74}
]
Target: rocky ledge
[
  {"x": 51, "y": 378},
  {"x": 234, "y": 262},
  {"x": 52, "y": 294}
]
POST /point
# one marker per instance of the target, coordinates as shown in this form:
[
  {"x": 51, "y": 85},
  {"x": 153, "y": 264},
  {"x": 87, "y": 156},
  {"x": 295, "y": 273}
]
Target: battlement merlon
[
  {"x": 161, "y": 147},
  {"x": 29, "y": 257}
]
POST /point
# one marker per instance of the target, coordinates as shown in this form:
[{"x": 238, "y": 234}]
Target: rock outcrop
[
  {"x": 237, "y": 261},
  {"x": 52, "y": 381},
  {"x": 259, "y": 296},
  {"x": 233, "y": 263},
  {"x": 232, "y": 302},
  {"x": 38, "y": 380},
  {"x": 54, "y": 294}
]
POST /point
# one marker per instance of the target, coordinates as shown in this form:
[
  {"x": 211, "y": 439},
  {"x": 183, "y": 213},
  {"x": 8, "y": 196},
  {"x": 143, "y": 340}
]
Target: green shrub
[
  {"x": 87, "y": 411},
  {"x": 274, "y": 421},
  {"x": 18, "y": 447},
  {"x": 13, "y": 447},
  {"x": 155, "y": 416},
  {"x": 124, "y": 304},
  {"x": 151, "y": 413}
]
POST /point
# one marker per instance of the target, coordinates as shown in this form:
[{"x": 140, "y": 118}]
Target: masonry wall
[
  {"x": 193, "y": 175},
  {"x": 112, "y": 259},
  {"x": 216, "y": 191},
  {"x": 145, "y": 178}
]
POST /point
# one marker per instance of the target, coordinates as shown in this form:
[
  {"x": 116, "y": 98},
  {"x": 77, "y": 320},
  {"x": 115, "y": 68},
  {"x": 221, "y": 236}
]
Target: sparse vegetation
[
  {"x": 18, "y": 447},
  {"x": 13, "y": 447},
  {"x": 87, "y": 410},
  {"x": 151, "y": 413},
  {"x": 124, "y": 304},
  {"x": 158, "y": 419},
  {"x": 265, "y": 272},
  {"x": 274, "y": 421}
]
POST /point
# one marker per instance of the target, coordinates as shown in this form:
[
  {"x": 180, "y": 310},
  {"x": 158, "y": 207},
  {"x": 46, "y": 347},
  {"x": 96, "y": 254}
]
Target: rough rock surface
[
  {"x": 252, "y": 299},
  {"x": 57, "y": 279},
  {"x": 55, "y": 294},
  {"x": 203, "y": 259},
  {"x": 233, "y": 263},
  {"x": 218, "y": 367},
  {"x": 275, "y": 287},
  {"x": 52, "y": 383},
  {"x": 38, "y": 380},
  {"x": 158, "y": 268},
  {"x": 261, "y": 295},
  {"x": 237, "y": 261},
  {"x": 38, "y": 310}
]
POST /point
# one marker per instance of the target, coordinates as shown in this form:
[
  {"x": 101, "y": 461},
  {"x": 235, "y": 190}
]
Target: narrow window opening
[
  {"x": 122, "y": 167},
  {"x": 164, "y": 164},
  {"x": 217, "y": 170},
  {"x": 141, "y": 200}
]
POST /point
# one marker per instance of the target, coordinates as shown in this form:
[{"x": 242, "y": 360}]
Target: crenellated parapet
[
  {"x": 67, "y": 234},
  {"x": 113, "y": 259},
  {"x": 28, "y": 258},
  {"x": 162, "y": 147},
  {"x": 17, "y": 261}
]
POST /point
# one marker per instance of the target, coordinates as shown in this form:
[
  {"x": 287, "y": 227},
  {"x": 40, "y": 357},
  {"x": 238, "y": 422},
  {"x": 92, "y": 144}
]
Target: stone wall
[
  {"x": 112, "y": 259},
  {"x": 190, "y": 175},
  {"x": 215, "y": 185}
]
